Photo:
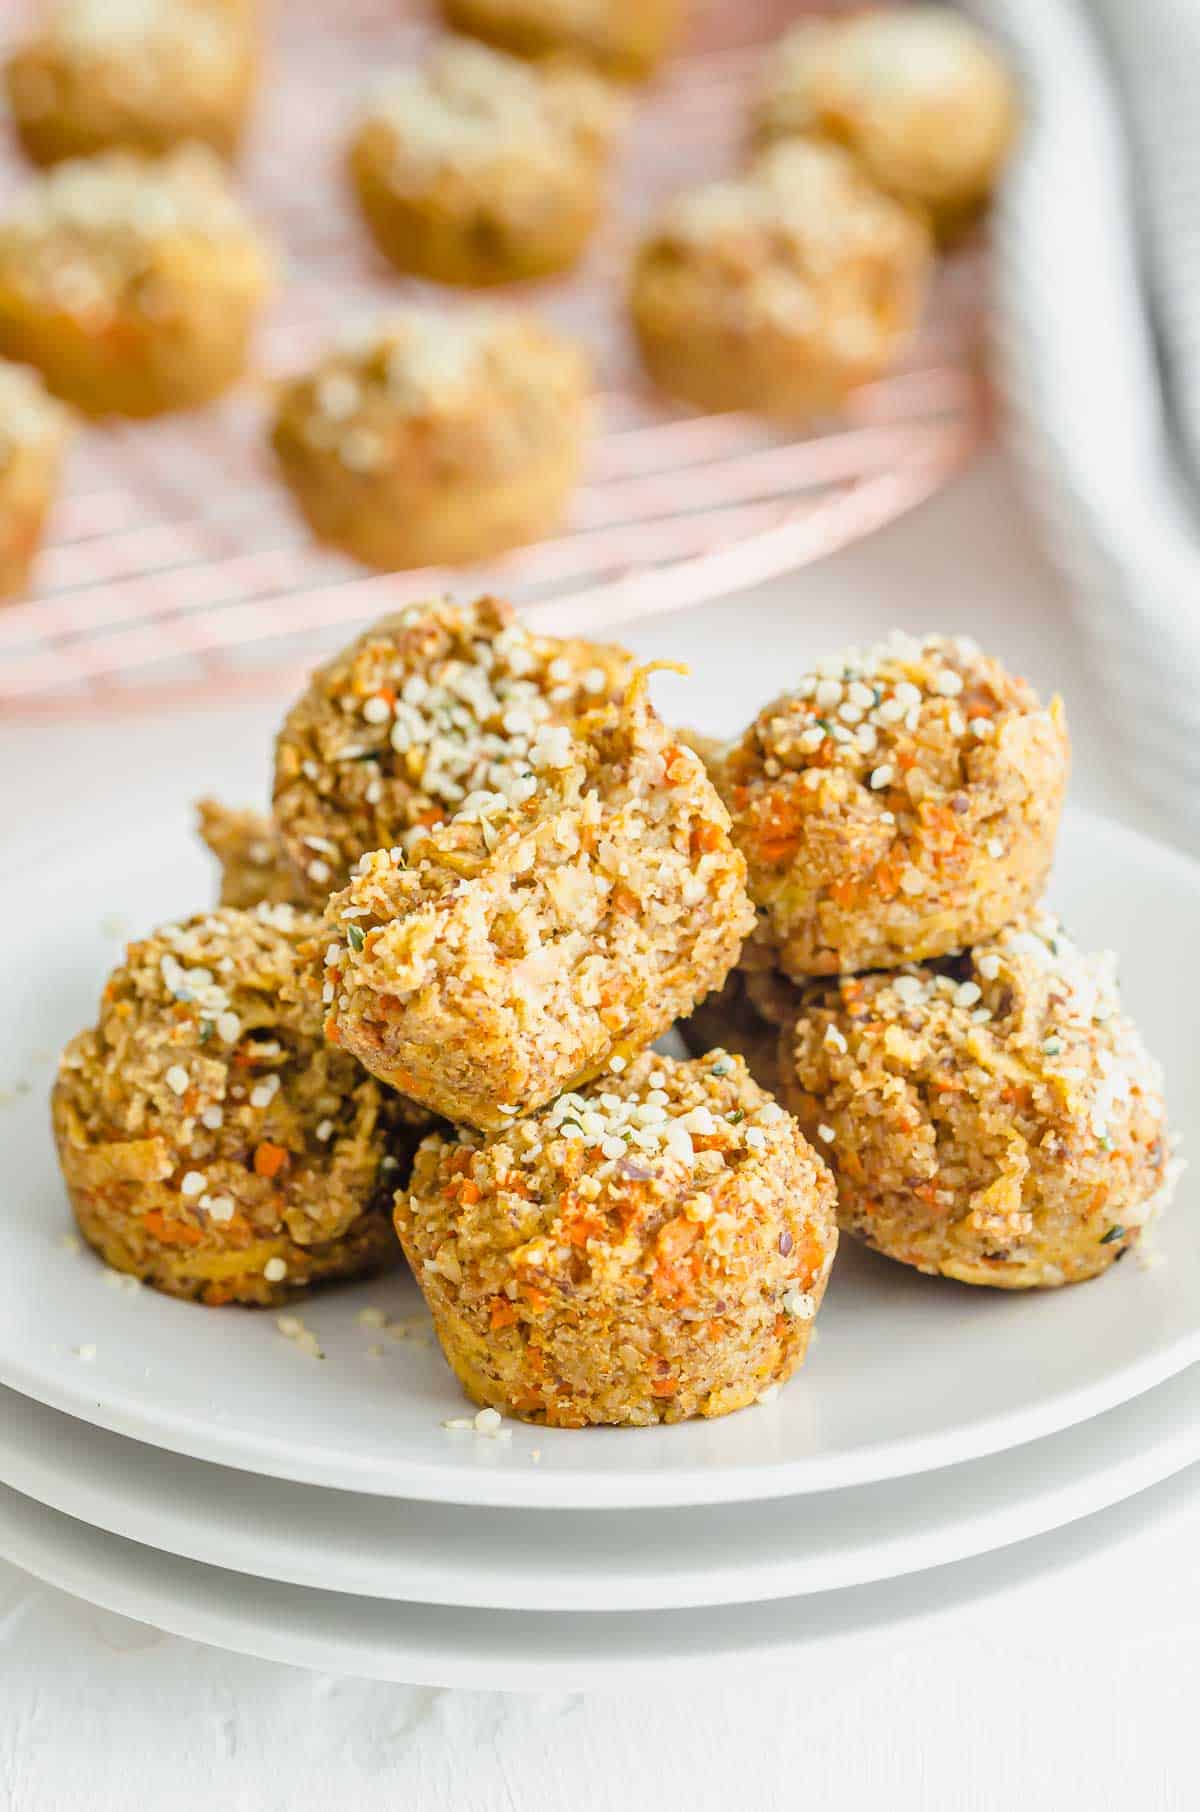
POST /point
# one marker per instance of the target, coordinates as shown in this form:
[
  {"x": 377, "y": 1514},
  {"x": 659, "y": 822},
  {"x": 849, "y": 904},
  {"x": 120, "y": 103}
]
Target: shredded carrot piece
[
  {"x": 171, "y": 1233},
  {"x": 584, "y": 1228},
  {"x": 778, "y": 849},
  {"x": 468, "y": 1195},
  {"x": 705, "y": 837},
  {"x": 503, "y": 1314},
  {"x": 676, "y": 1238},
  {"x": 269, "y": 1159},
  {"x": 664, "y": 1387}
]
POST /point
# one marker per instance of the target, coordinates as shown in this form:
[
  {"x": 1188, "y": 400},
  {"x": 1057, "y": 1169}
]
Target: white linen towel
[{"x": 1097, "y": 331}]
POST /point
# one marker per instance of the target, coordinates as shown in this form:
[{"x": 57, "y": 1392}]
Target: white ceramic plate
[
  {"x": 908, "y": 1372},
  {"x": 595, "y": 1560},
  {"x": 423, "y": 1644}
]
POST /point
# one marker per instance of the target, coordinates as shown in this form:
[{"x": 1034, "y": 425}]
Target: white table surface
[{"x": 1072, "y": 1691}]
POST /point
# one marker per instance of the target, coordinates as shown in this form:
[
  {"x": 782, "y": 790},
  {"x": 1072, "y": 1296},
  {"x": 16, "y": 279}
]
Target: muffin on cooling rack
[
  {"x": 477, "y": 168},
  {"x": 650, "y": 1248},
  {"x": 421, "y": 712},
  {"x": 132, "y": 286},
  {"x": 34, "y": 431},
  {"x": 142, "y": 75},
  {"x": 212, "y": 1143},
  {"x": 994, "y": 1118},
  {"x": 920, "y": 97},
  {"x": 255, "y": 866},
  {"x": 900, "y": 802},
  {"x": 564, "y": 918},
  {"x": 779, "y": 290},
  {"x": 626, "y": 38},
  {"x": 437, "y": 440}
]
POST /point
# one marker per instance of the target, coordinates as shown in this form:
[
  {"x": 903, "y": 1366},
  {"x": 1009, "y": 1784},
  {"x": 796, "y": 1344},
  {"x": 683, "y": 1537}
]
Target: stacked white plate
[{"x": 202, "y": 1472}]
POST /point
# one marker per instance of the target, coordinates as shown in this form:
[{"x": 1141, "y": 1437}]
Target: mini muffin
[
  {"x": 423, "y": 710},
  {"x": 917, "y": 93},
  {"x": 34, "y": 432},
  {"x": 901, "y": 802},
  {"x": 995, "y": 1118},
  {"x": 132, "y": 286},
  {"x": 650, "y": 1249},
  {"x": 138, "y": 75},
  {"x": 564, "y": 918},
  {"x": 478, "y": 168},
  {"x": 212, "y": 1143},
  {"x": 255, "y": 867},
  {"x": 625, "y": 38},
  {"x": 442, "y": 439},
  {"x": 779, "y": 290}
]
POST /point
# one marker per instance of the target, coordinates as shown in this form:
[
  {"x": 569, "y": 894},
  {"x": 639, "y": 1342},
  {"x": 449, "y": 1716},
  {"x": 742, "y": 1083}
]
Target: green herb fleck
[
  {"x": 356, "y": 937},
  {"x": 1114, "y": 1233},
  {"x": 734, "y": 1115}
]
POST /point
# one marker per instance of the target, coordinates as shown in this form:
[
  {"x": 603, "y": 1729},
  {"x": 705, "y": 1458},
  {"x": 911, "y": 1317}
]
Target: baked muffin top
[
  {"x": 780, "y": 234},
  {"x": 469, "y": 106},
  {"x": 82, "y": 232}
]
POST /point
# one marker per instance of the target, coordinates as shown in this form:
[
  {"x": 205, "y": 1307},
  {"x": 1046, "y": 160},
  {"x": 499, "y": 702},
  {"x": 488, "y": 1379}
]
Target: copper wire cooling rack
[{"x": 174, "y": 567}]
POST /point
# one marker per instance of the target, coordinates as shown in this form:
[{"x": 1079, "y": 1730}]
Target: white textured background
[{"x": 1076, "y": 1690}]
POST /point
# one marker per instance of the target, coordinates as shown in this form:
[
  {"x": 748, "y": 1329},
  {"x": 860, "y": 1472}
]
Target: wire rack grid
[{"x": 175, "y": 569}]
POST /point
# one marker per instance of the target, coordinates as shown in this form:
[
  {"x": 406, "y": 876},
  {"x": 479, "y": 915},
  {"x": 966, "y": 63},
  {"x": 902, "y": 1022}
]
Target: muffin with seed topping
[
  {"x": 994, "y": 1118},
  {"x": 422, "y": 710},
  {"x": 132, "y": 286},
  {"x": 779, "y": 290},
  {"x": 625, "y": 38},
  {"x": 477, "y": 168},
  {"x": 651, "y": 1248},
  {"x": 439, "y": 439},
  {"x": 916, "y": 93},
  {"x": 255, "y": 866},
  {"x": 900, "y": 802},
  {"x": 138, "y": 75},
  {"x": 34, "y": 433},
  {"x": 562, "y": 919},
  {"x": 211, "y": 1141}
]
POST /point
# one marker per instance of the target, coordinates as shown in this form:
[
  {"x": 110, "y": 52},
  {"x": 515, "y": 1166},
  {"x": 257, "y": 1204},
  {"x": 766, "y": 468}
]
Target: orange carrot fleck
[
  {"x": 269, "y": 1159},
  {"x": 171, "y": 1233},
  {"x": 676, "y": 1238}
]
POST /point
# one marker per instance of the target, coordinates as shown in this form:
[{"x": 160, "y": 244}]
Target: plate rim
[
  {"x": 191, "y": 1435},
  {"x": 1055, "y": 1490},
  {"x": 281, "y": 1623}
]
